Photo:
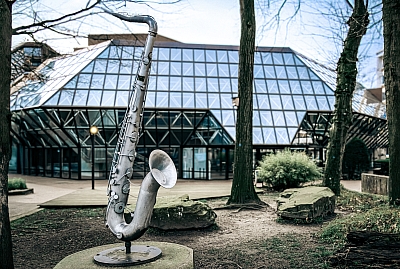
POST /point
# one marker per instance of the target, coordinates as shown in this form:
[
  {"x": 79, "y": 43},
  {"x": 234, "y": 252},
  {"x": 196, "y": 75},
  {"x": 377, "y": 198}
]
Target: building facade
[{"x": 189, "y": 111}]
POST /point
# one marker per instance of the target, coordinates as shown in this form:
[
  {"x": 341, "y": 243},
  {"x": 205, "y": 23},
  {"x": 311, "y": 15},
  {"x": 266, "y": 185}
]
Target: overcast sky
[{"x": 204, "y": 22}]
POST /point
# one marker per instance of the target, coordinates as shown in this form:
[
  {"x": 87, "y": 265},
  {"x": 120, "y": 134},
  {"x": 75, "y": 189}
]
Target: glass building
[{"x": 189, "y": 111}]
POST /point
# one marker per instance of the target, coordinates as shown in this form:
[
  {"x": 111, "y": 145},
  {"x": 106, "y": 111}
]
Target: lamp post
[{"x": 93, "y": 131}]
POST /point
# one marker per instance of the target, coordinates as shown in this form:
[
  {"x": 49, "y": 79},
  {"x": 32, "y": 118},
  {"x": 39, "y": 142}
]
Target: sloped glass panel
[
  {"x": 100, "y": 66},
  {"x": 176, "y": 54},
  {"x": 212, "y": 84},
  {"x": 284, "y": 86},
  {"x": 303, "y": 74},
  {"x": 297, "y": 61},
  {"x": 94, "y": 98},
  {"x": 115, "y": 52},
  {"x": 176, "y": 68},
  {"x": 187, "y": 54},
  {"x": 104, "y": 54},
  {"x": 234, "y": 70},
  {"x": 176, "y": 100},
  {"x": 163, "y": 54},
  {"x": 263, "y": 101},
  {"x": 278, "y": 117},
  {"x": 287, "y": 102},
  {"x": 323, "y": 103},
  {"x": 255, "y": 103},
  {"x": 84, "y": 81},
  {"x": 226, "y": 100},
  {"x": 211, "y": 56},
  {"x": 313, "y": 75},
  {"x": 295, "y": 87},
  {"x": 163, "y": 68},
  {"x": 150, "y": 99},
  {"x": 257, "y": 136},
  {"x": 300, "y": 116},
  {"x": 162, "y": 83},
  {"x": 269, "y": 71},
  {"x": 201, "y": 100},
  {"x": 318, "y": 87},
  {"x": 152, "y": 83},
  {"x": 257, "y": 58},
  {"x": 188, "y": 69},
  {"x": 81, "y": 97},
  {"x": 112, "y": 67},
  {"x": 126, "y": 67},
  {"x": 200, "y": 84},
  {"x": 311, "y": 102},
  {"x": 188, "y": 100},
  {"x": 175, "y": 84},
  {"x": 299, "y": 102},
  {"x": 108, "y": 98},
  {"x": 97, "y": 81},
  {"x": 282, "y": 135},
  {"x": 72, "y": 83},
  {"x": 288, "y": 58},
  {"x": 223, "y": 70},
  {"x": 231, "y": 131},
  {"x": 307, "y": 88},
  {"x": 162, "y": 99},
  {"x": 124, "y": 82},
  {"x": 269, "y": 136},
  {"x": 234, "y": 83},
  {"x": 212, "y": 70},
  {"x": 111, "y": 82},
  {"x": 292, "y": 133},
  {"x": 213, "y": 101},
  {"x": 66, "y": 97},
  {"x": 266, "y": 118},
  {"x": 127, "y": 52},
  {"x": 275, "y": 101},
  {"x": 258, "y": 71},
  {"x": 88, "y": 68},
  {"x": 331, "y": 100},
  {"x": 199, "y": 56},
  {"x": 200, "y": 69},
  {"x": 53, "y": 100},
  {"x": 292, "y": 72},
  {"x": 222, "y": 56},
  {"x": 280, "y": 72},
  {"x": 266, "y": 58},
  {"x": 256, "y": 118},
  {"x": 233, "y": 56},
  {"x": 278, "y": 60},
  {"x": 291, "y": 118},
  {"x": 188, "y": 84},
  {"x": 225, "y": 85},
  {"x": 259, "y": 85},
  {"x": 217, "y": 115},
  {"x": 272, "y": 86},
  {"x": 227, "y": 117}
]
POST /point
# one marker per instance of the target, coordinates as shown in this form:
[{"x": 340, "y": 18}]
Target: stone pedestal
[{"x": 173, "y": 256}]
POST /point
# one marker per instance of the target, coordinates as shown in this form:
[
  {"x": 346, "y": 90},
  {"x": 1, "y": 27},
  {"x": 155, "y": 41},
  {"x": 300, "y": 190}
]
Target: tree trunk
[
  {"x": 242, "y": 190},
  {"x": 391, "y": 28},
  {"x": 345, "y": 86},
  {"x": 6, "y": 258}
]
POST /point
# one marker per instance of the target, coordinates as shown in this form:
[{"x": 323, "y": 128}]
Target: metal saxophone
[{"x": 162, "y": 169}]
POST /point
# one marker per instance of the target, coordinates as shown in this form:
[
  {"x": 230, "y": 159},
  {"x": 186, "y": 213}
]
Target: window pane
[
  {"x": 303, "y": 74},
  {"x": 263, "y": 101},
  {"x": 162, "y": 83},
  {"x": 108, "y": 98},
  {"x": 295, "y": 86},
  {"x": 97, "y": 82},
  {"x": 163, "y": 68},
  {"x": 292, "y": 72},
  {"x": 94, "y": 98},
  {"x": 176, "y": 68},
  {"x": 201, "y": 100},
  {"x": 222, "y": 56},
  {"x": 234, "y": 70},
  {"x": 323, "y": 103},
  {"x": 162, "y": 99},
  {"x": 176, "y": 55},
  {"x": 258, "y": 71},
  {"x": 187, "y": 54},
  {"x": 257, "y": 58},
  {"x": 113, "y": 66},
  {"x": 126, "y": 67},
  {"x": 188, "y": 100},
  {"x": 227, "y": 117},
  {"x": 279, "y": 120},
  {"x": 163, "y": 53},
  {"x": 307, "y": 88},
  {"x": 80, "y": 97},
  {"x": 188, "y": 84},
  {"x": 212, "y": 84},
  {"x": 212, "y": 70},
  {"x": 284, "y": 86},
  {"x": 199, "y": 55},
  {"x": 223, "y": 70},
  {"x": 213, "y": 101},
  {"x": 200, "y": 69},
  {"x": 100, "y": 66},
  {"x": 188, "y": 69},
  {"x": 226, "y": 100},
  {"x": 124, "y": 82},
  {"x": 200, "y": 84},
  {"x": 311, "y": 102},
  {"x": 275, "y": 102},
  {"x": 175, "y": 100},
  {"x": 272, "y": 86},
  {"x": 66, "y": 97},
  {"x": 318, "y": 87},
  {"x": 269, "y": 136},
  {"x": 299, "y": 102},
  {"x": 287, "y": 102},
  {"x": 288, "y": 58},
  {"x": 277, "y": 58},
  {"x": 211, "y": 56},
  {"x": 84, "y": 81},
  {"x": 225, "y": 85},
  {"x": 260, "y": 86},
  {"x": 267, "y": 58},
  {"x": 291, "y": 118},
  {"x": 266, "y": 118},
  {"x": 269, "y": 71},
  {"x": 257, "y": 136},
  {"x": 282, "y": 135},
  {"x": 150, "y": 99},
  {"x": 233, "y": 56},
  {"x": 256, "y": 118},
  {"x": 175, "y": 83},
  {"x": 111, "y": 82}
]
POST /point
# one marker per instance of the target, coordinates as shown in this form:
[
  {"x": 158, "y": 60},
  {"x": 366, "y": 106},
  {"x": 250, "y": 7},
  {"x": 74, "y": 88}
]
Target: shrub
[
  {"x": 16, "y": 184},
  {"x": 287, "y": 170}
]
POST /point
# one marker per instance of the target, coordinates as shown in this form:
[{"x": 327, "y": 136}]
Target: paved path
[{"x": 57, "y": 192}]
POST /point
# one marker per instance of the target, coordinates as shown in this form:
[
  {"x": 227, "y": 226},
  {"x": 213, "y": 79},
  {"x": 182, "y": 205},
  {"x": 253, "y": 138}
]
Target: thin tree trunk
[
  {"x": 391, "y": 30},
  {"x": 345, "y": 86},
  {"x": 242, "y": 190},
  {"x": 6, "y": 258}
]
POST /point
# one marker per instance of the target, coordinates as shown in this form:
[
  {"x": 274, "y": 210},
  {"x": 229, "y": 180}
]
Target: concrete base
[{"x": 173, "y": 256}]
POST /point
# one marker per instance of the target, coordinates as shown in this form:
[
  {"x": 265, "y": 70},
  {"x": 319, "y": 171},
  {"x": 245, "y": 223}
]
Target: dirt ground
[{"x": 240, "y": 239}]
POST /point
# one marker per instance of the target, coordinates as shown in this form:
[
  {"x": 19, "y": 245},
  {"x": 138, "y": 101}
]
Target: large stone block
[
  {"x": 178, "y": 213},
  {"x": 306, "y": 203}
]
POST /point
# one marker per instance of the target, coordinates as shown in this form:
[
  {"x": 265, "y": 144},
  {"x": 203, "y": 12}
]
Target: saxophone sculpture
[{"x": 162, "y": 169}]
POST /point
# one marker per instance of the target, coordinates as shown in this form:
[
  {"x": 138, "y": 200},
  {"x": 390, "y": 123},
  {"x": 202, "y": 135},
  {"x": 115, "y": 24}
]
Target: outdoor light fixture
[{"x": 93, "y": 131}]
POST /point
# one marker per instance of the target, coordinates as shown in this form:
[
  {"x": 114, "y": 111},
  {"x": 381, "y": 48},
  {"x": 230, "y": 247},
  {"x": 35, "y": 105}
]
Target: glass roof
[{"x": 286, "y": 84}]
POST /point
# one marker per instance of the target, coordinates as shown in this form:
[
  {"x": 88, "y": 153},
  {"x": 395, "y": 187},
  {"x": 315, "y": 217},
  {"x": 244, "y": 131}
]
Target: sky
[{"x": 208, "y": 22}]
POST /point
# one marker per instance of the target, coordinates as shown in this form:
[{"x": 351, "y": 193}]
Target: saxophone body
[{"x": 162, "y": 169}]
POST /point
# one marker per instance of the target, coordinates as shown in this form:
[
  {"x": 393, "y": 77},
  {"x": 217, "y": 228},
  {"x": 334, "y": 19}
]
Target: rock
[
  {"x": 306, "y": 203},
  {"x": 178, "y": 213}
]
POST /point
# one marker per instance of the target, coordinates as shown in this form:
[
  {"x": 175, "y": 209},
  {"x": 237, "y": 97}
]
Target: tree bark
[
  {"x": 242, "y": 190},
  {"x": 6, "y": 258},
  {"x": 345, "y": 86},
  {"x": 391, "y": 28}
]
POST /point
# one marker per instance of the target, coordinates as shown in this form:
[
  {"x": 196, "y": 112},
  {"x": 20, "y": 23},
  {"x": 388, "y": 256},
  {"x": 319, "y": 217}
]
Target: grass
[{"x": 16, "y": 184}]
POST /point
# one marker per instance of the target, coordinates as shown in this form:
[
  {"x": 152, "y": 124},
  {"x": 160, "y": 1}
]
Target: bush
[
  {"x": 287, "y": 170},
  {"x": 16, "y": 184}
]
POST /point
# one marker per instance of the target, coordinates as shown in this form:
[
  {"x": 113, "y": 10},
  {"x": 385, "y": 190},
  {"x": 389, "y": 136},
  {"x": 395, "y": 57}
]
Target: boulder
[
  {"x": 178, "y": 213},
  {"x": 306, "y": 203}
]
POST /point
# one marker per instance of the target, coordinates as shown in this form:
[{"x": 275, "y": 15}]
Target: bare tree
[
  {"x": 242, "y": 190},
  {"x": 391, "y": 27},
  {"x": 345, "y": 86}
]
